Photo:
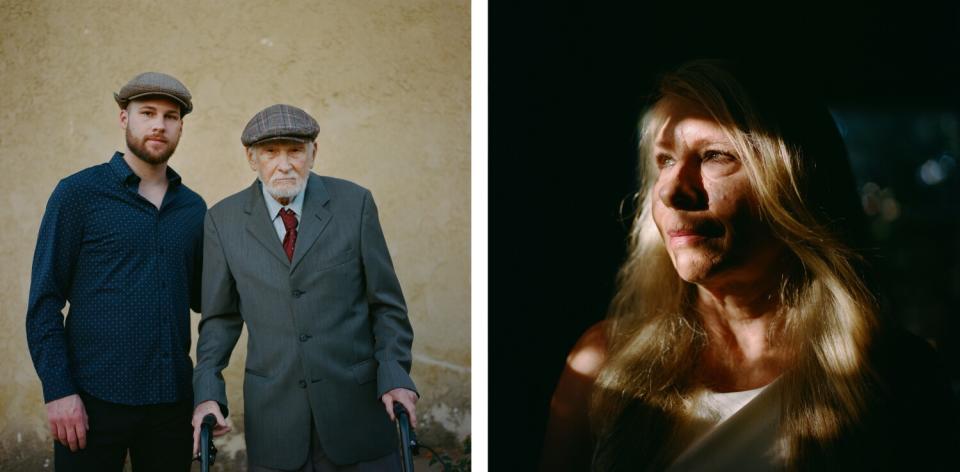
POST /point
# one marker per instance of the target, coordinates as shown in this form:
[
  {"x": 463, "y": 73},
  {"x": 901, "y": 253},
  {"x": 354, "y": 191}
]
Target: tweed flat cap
[
  {"x": 155, "y": 83},
  {"x": 280, "y": 122}
]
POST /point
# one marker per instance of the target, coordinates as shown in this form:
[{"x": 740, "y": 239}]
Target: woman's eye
[
  {"x": 719, "y": 156},
  {"x": 664, "y": 160}
]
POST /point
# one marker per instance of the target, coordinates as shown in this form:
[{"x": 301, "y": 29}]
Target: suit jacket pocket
[
  {"x": 365, "y": 371},
  {"x": 255, "y": 373},
  {"x": 335, "y": 260}
]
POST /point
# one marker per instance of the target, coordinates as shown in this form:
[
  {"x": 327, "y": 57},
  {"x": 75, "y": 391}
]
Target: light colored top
[
  {"x": 732, "y": 431},
  {"x": 274, "y": 207}
]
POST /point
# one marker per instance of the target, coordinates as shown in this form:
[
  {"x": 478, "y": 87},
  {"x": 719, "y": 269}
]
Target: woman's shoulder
[
  {"x": 581, "y": 370},
  {"x": 588, "y": 354},
  {"x": 568, "y": 444}
]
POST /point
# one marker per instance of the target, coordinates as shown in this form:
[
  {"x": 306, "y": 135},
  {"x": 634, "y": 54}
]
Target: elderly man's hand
[
  {"x": 68, "y": 421},
  {"x": 407, "y": 398},
  {"x": 203, "y": 409}
]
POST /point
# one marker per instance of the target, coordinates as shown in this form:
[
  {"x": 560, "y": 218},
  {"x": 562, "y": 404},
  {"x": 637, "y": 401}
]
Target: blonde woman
[{"x": 743, "y": 335}]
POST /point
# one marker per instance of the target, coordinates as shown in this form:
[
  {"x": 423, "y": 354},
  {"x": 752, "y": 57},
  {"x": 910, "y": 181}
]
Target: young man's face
[{"x": 153, "y": 126}]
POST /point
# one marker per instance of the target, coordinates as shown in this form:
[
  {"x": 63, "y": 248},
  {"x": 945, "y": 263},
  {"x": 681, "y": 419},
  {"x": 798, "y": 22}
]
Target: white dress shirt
[{"x": 274, "y": 207}]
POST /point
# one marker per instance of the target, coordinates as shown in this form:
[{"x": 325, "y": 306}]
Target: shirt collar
[
  {"x": 126, "y": 175},
  {"x": 273, "y": 206}
]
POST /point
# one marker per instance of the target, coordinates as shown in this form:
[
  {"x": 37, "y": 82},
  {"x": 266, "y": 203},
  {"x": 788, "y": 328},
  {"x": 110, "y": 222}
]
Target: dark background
[{"x": 567, "y": 81}]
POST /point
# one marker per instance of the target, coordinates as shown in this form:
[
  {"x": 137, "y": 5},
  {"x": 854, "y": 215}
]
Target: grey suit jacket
[{"x": 328, "y": 333}]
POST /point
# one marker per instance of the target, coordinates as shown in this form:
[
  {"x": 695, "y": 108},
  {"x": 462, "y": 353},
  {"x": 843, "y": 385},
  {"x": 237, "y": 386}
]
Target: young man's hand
[{"x": 68, "y": 421}]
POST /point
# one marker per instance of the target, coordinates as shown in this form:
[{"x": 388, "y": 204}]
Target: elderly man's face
[
  {"x": 282, "y": 166},
  {"x": 153, "y": 128}
]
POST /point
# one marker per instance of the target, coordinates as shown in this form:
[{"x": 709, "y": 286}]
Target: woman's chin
[
  {"x": 694, "y": 268},
  {"x": 694, "y": 275}
]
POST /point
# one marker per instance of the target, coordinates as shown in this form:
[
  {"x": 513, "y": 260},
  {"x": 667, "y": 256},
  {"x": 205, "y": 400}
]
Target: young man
[
  {"x": 122, "y": 243},
  {"x": 301, "y": 259}
]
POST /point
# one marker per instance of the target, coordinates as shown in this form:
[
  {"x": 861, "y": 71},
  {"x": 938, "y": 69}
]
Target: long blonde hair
[{"x": 828, "y": 313}]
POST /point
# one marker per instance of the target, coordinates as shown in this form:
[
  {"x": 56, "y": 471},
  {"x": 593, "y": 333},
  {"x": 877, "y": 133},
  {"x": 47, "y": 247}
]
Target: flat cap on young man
[{"x": 155, "y": 83}]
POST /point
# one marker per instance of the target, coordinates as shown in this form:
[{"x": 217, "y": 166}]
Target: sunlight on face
[{"x": 703, "y": 202}]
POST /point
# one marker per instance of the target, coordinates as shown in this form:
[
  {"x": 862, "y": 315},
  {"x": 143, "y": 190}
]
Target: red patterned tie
[{"x": 290, "y": 223}]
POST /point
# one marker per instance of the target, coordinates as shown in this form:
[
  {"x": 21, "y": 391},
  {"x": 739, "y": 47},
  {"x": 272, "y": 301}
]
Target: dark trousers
[
  {"x": 158, "y": 437},
  {"x": 317, "y": 461}
]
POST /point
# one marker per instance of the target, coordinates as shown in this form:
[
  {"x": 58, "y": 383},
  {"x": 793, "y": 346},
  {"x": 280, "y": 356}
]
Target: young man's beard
[{"x": 138, "y": 149}]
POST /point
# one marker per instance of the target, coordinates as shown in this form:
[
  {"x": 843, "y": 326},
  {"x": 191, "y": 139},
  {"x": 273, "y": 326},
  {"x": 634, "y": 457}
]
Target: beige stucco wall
[{"x": 389, "y": 82}]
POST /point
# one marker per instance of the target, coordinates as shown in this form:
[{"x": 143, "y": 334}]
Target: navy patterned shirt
[{"x": 131, "y": 273}]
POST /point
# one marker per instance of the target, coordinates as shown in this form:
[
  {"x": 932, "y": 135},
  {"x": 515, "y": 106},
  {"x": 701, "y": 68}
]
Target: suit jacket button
[
  {"x": 303, "y": 383},
  {"x": 304, "y": 338},
  {"x": 297, "y": 293}
]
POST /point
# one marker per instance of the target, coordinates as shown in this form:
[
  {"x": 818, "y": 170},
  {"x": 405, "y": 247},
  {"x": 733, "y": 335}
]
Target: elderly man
[
  {"x": 301, "y": 259},
  {"x": 121, "y": 242}
]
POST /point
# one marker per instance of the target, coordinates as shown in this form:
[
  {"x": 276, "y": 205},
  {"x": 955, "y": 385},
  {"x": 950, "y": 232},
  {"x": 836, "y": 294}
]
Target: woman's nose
[{"x": 682, "y": 186}]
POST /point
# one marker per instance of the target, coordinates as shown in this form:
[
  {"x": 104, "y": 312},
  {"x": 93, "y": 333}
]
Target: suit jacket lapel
[
  {"x": 315, "y": 218},
  {"x": 259, "y": 223}
]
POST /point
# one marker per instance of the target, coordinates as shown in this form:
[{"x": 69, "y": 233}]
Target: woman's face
[{"x": 703, "y": 202}]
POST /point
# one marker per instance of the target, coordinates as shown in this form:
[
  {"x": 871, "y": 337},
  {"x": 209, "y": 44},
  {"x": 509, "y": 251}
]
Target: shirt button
[{"x": 303, "y": 383}]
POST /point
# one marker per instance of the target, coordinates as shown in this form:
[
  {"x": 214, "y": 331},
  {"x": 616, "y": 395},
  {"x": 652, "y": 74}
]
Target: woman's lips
[
  {"x": 682, "y": 238},
  {"x": 689, "y": 235}
]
